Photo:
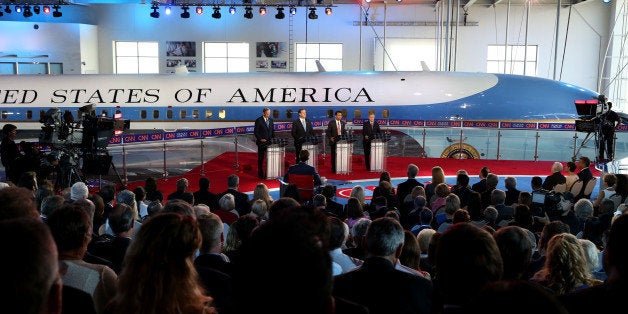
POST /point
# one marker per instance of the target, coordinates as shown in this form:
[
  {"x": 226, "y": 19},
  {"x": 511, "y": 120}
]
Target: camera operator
[
  {"x": 609, "y": 121},
  {"x": 10, "y": 152}
]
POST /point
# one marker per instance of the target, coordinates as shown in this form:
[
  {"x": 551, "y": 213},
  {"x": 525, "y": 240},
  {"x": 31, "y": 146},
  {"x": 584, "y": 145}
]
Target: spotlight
[
  {"x": 216, "y": 13},
  {"x": 7, "y": 9},
  {"x": 56, "y": 12},
  {"x": 328, "y": 10},
  {"x": 185, "y": 14},
  {"x": 312, "y": 15},
  {"x": 36, "y": 9},
  {"x": 199, "y": 10},
  {"x": 18, "y": 9},
  {"x": 232, "y": 10},
  {"x": 249, "y": 13},
  {"x": 168, "y": 10},
  {"x": 262, "y": 10},
  {"x": 280, "y": 15},
  {"x": 154, "y": 14},
  {"x": 27, "y": 11},
  {"x": 293, "y": 10},
  {"x": 46, "y": 9}
]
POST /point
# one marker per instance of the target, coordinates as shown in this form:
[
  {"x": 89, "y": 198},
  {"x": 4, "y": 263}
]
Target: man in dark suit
[
  {"x": 301, "y": 129},
  {"x": 404, "y": 292},
  {"x": 584, "y": 175},
  {"x": 303, "y": 168},
  {"x": 204, "y": 196},
  {"x": 405, "y": 188},
  {"x": 264, "y": 131},
  {"x": 241, "y": 199},
  {"x": 555, "y": 178},
  {"x": 480, "y": 187},
  {"x": 335, "y": 129},
  {"x": 369, "y": 129}
]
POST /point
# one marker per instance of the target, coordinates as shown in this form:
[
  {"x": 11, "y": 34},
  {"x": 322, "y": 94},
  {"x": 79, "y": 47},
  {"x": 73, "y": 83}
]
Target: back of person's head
[
  {"x": 590, "y": 254},
  {"x": 438, "y": 175},
  {"x": 154, "y": 207},
  {"x": 339, "y": 233},
  {"x": 424, "y": 237},
  {"x": 354, "y": 208},
  {"x": 379, "y": 201},
  {"x": 384, "y": 176},
  {"x": 79, "y": 191},
  {"x": 319, "y": 200},
  {"x": 394, "y": 214},
  {"x": 525, "y": 198},
  {"x": 384, "y": 237},
  {"x": 70, "y": 226},
  {"x": 261, "y": 192},
  {"x": 460, "y": 215},
  {"x": 8, "y": 128},
  {"x": 515, "y": 249},
  {"x": 498, "y": 197},
  {"x": 17, "y": 202},
  {"x": 523, "y": 216},
  {"x": 386, "y": 188},
  {"x": 28, "y": 180},
  {"x": 30, "y": 277},
  {"x": 260, "y": 209},
  {"x": 610, "y": 179},
  {"x": 329, "y": 191},
  {"x": 244, "y": 226},
  {"x": 615, "y": 253},
  {"x": 159, "y": 262},
  {"x": 490, "y": 214},
  {"x": 585, "y": 161},
  {"x": 517, "y": 296},
  {"x": 413, "y": 170},
  {"x": 88, "y": 206},
  {"x": 182, "y": 184},
  {"x": 127, "y": 197},
  {"x": 203, "y": 183},
  {"x": 179, "y": 206},
  {"x": 510, "y": 182},
  {"x": 121, "y": 218},
  {"x": 536, "y": 182},
  {"x": 212, "y": 229},
  {"x": 549, "y": 230},
  {"x": 291, "y": 251},
  {"x": 417, "y": 191},
  {"x": 467, "y": 258},
  {"x": 50, "y": 204},
  {"x": 441, "y": 190},
  {"x": 452, "y": 204},
  {"x": 410, "y": 253},
  {"x": 233, "y": 181},
  {"x": 201, "y": 209},
  {"x": 566, "y": 266},
  {"x": 108, "y": 193},
  {"x": 492, "y": 180},
  {"x": 484, "y": 172},
  {"x": 140, "y": 194},
  {"x": 571, "y": 166},
  {"x": 359, "y": 228},
  {"x": 227, "y": 202},
  {"x": 426, "y": 216},
  {"x": 462, "y": 179},
  {"x": 150, "y": 184},
  {"x": 557, "y": 167},
  {"x": 280, "y": 205},
  {"x": 583, "y": 208},
  {"x": 304, "y": 155},
  {"x": 358, "y": 192},
  {"x": 419, "y": 202}
]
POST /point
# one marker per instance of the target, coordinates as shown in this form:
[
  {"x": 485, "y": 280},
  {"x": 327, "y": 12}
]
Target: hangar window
[
  {"x": 329, "y": 55},
  {"x": 385, "y": 114},
  {"x": 155, "y": 114},
  {"x": 222, "y": 113},
  {"x": 143, "y": 114},
  {"x": 221, "y": 57},
  {"x": 357, "y": 114},
  {"x": 139, "y": 56},
  {"x": 169, "y": 114},
  {"x": 29, "y": 114},
  {"x": 209, "y": 114},
  {"x": 183, "y": 114},
  {"x": 512, "y": 59}
]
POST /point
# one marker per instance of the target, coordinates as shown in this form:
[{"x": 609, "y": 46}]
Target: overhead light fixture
[
  {"x": 280, "y": 15},
  {"x": 7, "y": 9},
  {"x": 248, "y": 13},
  {"x": 168, "y": 10},
  {"x": 36, "y": 9},
  {"x": 216, "y": 13},
  {"x": 293, "y": 10},
  {"x": 328, "y": 10},
  {"x": 312, "y": 15},
  {"x": 46, "y": 9},
  {"x": 232, "y": 10},
  {"x": 56, "y": 12},
  {"x": 199, "y": 10},
  {"x": 27, "y": 11},
  {"x": 185, "y": 14},
  {"x": 155, "y": 13},
  {"x": 262, "y": 10}
]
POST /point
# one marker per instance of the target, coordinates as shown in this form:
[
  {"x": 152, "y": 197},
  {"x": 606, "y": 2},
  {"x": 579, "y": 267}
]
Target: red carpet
[{"x": 218, "y": 169}]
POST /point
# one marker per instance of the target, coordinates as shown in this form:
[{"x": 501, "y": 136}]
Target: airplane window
[
  {"x": 209, "y": 114},
  {"x": 143, "y": 114},
  {"x": 344, "y": 113},
  {"x": 275, "y": 114},
  {"x": 183, "y": 114},
  {"x": 195, "y": 114},
  {"x": 155, "y": 114},
  {"x": 371, "y": 111},
  {"x": 289, "y": 114},
  {"x": 169, "y": 114},
  {"x": 29, "y": 114},
  {"x": 222, "y": 113},
  {"x": 385, "y": 114},
  {"x": 104, "y": 113},
  {"x": 4, "y": 114},
  {"x": 330, "y": 113},
  {"x": 357, "y": 114},
  {"x": 41, "y": 114}
]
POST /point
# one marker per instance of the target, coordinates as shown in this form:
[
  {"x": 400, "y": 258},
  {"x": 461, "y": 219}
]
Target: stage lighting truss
[{"x": 232, "y": 9}]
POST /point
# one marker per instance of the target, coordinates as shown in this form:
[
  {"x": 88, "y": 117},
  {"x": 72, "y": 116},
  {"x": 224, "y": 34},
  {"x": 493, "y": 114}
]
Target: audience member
[
  {"x": 438, "y": 177},
  {"x": 17, "y": 202},
  {"x": 114, "y": 248},
  {"x": 481, "y": 186},
  {"x": 571, "y": 176},
  {"x": 512, "y": 194},
  {"x": 515, "y": 297},
  {"x": 242, "y": 204},
  {"x": 555, "y": 178},
  {"x": 259, "y": 209},
  {"x": 357, "y": 249},
  {"x": 462, "y": 189},
  {"x": 140, "y": 197},
  {"x": 261, "y": 192},
  {"x": 338, "y": 236},
  {"x": 538, "y": 258},
  {"x": 515, "y": 248},
  {"x": 405, "y": 188},
  {"x": 239, "y": 232},
  {"x": 179, "y": 206},
  {"x": 182, "y": 192},
  {"x": 410, "y": 258},
  {"x": 226, "y": 209},
  {"x": 204, "y": 196}
]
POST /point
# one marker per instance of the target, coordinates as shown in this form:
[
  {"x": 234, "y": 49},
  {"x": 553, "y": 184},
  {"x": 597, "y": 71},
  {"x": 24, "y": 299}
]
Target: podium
[
  {"x": 379, "y": 150},
  {"x": 311, "y": 145},
  {"x": 275, "y": 155},
  {"x": 344, "y": 151}
]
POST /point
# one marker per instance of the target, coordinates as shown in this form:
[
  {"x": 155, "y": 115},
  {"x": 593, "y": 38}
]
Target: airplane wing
[
  {"x": 319, "y": 66},
  {"x": 624, "y": 117},
  {"x": 425, "y": 67}
]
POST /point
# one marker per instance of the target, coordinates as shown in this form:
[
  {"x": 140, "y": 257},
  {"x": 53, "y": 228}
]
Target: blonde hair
[
  {"x": 438, "y": 175},
  {"x": 566, "y": 265}
]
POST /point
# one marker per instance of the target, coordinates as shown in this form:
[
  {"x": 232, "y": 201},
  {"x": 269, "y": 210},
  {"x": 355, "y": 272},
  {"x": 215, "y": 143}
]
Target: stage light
[
  {"x": 216, "y": 13},
  {"x": 46, "y": 9},
  {"x": 606, "y": 1},
  {"x": 185, "y": 14},
  {"x": 280, "y": 15},
  {"x": 293, "y": 10},
  {"x": 7, "y": 9},
  {"x": 27, "y": 11},
  {"x": 199, "y": 10},
  {"x": 328, "y": 10},
  {"x": 36, "y": 9},
  {"x": 168, "y": 10},
  {"x": 56, "y": 12},
  {"x": 18, "y": 9},
  {"x": 312, "y": 15},
  {"x": 262, "y": 10},
  {"x": 232, "y": 10},
  {"x": 154, "y": 14},
  {"x": 249, "y": 13}
]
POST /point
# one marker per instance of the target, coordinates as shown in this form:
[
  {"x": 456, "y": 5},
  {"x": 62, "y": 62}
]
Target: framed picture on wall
[
  {"x": 278, "y": 64},
  {"x": 190, "y": 63},
  {"x": 181, "y": 49},
  {"x": 271, "y": 50},
  {"x": 261, "y": 64},
  {"x": 171, "y": 63}
]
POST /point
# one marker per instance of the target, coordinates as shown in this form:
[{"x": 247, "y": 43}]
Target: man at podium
[
  {"x": 301, "y": 130},
  {"x": 369, "y": 129},
  {"x": 335, "y": 129},
  {"x": 264, "y": 131}
]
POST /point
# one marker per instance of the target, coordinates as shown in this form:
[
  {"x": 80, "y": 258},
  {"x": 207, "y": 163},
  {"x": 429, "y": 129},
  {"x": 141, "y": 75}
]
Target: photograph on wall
[
  {"x": 171, "y": 63},
  {"x": 271, "y": 50},
  {"x": 190, "y": 63},
  {"x": 278, "y": 64},
  {"x": 262, "y": 64},
  {"x": 181, "y": 49}
]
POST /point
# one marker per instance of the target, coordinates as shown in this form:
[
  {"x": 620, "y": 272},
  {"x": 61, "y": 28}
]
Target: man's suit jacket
[
  {"x": 332, "y": 131},
  {"x": 243, "y": 206},
  {"x": 405, "y": 188},
  {"x": 298, "y": 133},
  {"x": 369, "y": 130},
  {"x": 383, "y": 289},
  {"x": 553, "y": 179},
  {"x": 303, "y": 168},
  {"x": 262, "y": 131}
]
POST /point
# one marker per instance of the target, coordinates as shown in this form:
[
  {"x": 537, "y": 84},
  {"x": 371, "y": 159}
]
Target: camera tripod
[{"x": 67, "y": 175}]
